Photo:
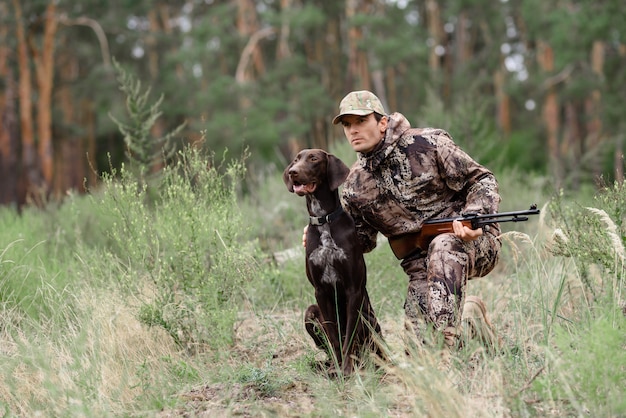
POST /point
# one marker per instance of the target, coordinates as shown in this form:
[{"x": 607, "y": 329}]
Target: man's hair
[{"x": 377, "y": 116}]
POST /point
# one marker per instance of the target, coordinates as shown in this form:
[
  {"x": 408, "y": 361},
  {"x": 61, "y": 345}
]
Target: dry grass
[
  {"x": 108, "y": 364},
  {"x": 92, "y": 357},
  {"x": 91, "y": 366}
]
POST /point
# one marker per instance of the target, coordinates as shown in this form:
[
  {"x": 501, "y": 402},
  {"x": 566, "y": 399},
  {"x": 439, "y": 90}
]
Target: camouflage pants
[{"x": 437, "y": 279}]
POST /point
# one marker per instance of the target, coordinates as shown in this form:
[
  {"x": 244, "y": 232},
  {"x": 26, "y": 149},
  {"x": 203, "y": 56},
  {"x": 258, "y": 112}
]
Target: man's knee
[{"x": 445, "y": 243}]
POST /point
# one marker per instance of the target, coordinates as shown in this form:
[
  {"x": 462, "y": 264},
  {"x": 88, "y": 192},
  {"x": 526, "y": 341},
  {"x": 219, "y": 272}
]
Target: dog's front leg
[
  {"x": 313, "y": 321},
  {"x": 326, "y": 303},
  {"x": 354, "y": 330}
]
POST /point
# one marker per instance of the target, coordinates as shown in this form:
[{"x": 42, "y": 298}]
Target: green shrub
[
  {"x": 594, "y": 236},
  {"x": 142, "y": 148},
  {"x": 181, "y": 240}
]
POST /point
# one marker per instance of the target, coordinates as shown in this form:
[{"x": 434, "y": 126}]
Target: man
[{"x": 404, "y": 176}]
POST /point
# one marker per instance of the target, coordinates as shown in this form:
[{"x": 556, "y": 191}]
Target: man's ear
[
  {"x": 287, "y": 179},
  {"x": 337, "y": 172},
  {"x": 382, "y": 124}
]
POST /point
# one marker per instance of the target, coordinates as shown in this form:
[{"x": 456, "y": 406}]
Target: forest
[
  {"x": 530, "y": 84},
  {"x": 150, "y": 254}
]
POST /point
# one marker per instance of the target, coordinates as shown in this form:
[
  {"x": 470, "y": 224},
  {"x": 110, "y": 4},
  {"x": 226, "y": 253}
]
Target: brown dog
[{"x": 343, "y": 319}]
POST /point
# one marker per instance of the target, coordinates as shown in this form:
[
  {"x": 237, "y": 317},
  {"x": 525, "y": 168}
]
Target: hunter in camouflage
[{"x": 410, "y": 175}]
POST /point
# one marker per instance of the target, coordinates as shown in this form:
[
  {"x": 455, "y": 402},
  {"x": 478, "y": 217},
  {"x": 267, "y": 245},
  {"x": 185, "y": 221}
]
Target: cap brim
[{"x": 358, "y": 112}]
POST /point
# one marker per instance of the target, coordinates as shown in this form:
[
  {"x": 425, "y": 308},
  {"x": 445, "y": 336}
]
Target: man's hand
[
  {"x": 464, "y": 232},
  {"x": 304, "y": 236}
]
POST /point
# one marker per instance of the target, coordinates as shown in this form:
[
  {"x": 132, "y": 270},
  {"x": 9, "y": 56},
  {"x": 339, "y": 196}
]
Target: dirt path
[{"x": 280, "y": 381}]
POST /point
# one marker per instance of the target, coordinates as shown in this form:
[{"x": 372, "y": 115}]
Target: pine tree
[{"x": 142, "y": 148}]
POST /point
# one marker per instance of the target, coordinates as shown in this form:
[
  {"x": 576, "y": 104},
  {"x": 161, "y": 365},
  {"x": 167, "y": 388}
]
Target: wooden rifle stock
[{"x": 404, "y": 245}]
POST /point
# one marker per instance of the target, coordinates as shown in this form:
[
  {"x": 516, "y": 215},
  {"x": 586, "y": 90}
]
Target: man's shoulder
[
  {"x": 356, "y": 170},
  {"x": 430, "y": 133},
  {"x": 438, "y": 138},
  {"x": 358, "y": 178}
]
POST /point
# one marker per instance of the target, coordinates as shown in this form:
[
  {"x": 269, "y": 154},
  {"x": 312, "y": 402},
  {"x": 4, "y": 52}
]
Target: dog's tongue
[{"x": 302, "y": 189}]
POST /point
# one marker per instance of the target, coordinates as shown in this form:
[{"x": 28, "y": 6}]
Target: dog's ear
[
  {"x": 287, "y": 179},
  {"x": 337, "y": 172}
]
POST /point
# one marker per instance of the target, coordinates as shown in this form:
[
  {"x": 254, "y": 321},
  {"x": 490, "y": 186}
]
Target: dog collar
[{"x": 321, "y": 220}]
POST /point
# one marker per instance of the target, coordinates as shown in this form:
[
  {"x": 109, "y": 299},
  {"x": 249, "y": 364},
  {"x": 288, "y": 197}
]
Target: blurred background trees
[{"x": 530, "y": 84}]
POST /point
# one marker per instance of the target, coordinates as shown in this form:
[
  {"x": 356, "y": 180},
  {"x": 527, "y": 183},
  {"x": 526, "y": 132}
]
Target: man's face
[{"x": 363, "y": 132}]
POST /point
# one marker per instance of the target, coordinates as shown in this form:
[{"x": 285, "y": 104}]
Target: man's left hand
[{"x": 464, "y": 232}]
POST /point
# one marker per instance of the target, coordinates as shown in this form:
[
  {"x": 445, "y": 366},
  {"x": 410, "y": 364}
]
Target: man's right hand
[{"x": 304, "y": 236}]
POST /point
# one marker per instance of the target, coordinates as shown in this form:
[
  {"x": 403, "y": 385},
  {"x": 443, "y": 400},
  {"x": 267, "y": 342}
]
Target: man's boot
[
  {"x": 451, "y": 338},
  {"x": 476, "y": 324}
]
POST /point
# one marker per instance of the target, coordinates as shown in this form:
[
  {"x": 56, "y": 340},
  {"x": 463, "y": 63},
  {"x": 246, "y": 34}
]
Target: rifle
[{"x": 405, "y": 244}]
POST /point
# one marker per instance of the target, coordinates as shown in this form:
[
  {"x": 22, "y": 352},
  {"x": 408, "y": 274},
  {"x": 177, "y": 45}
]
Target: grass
[{"x": 168, "y": 303}]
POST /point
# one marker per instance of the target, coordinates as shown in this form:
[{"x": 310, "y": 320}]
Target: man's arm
[{"x": 478, "y": 185}]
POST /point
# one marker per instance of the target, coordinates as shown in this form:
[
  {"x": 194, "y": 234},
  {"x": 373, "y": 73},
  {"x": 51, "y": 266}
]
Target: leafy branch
[{"x": 141, "y": 146}]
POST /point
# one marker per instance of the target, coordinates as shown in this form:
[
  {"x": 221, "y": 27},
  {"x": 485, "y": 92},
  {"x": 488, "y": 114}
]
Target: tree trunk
[
  {"x": 392, "y": 94},
  {"x": 69, "y": 153},
  {"x": 435, "y": 30},
  {"x": 89, "y": 122},
  {"x": 44, "y": 66},
  {"x": 30, "y": 179},
  {"x": 151, "y": 44},
  {"x": 8, "y": 121},
  {"x": 572, "y": 149},
  {"x": 503, "y": 102},
  {"x": 326, "y": 47},
  {"x": 247, "y": 26},
  {"x": 463, "y": 38},
  {"x": 282, "y": 50},
  {"x": 550, "y": 111},
  {"x": 618, "y": 155},
  {"x": 9, "y": 142},
  {"x": 594, "y": 135},
  {"x": 159, "y": 22},
  {"x": 358, "y": 76}
]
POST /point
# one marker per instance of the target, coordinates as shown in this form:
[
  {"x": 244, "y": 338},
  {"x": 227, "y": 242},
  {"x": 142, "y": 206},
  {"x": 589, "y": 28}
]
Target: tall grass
[
  {"x": 148, "y": 299},
  {"x": 540, "y": 302},
  {"x": 104, "y": 298},
  {"x": 184, "y": 243},
  {"x": 140, "y": 299}
]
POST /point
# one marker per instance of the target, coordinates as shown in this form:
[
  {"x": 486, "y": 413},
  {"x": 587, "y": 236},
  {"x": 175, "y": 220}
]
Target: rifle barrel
[{"x": 517, "y": 216}]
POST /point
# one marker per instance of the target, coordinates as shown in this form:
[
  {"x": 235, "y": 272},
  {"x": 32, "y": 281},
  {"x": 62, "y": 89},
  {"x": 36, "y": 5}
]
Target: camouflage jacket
[{"x": 413, "y": 175}]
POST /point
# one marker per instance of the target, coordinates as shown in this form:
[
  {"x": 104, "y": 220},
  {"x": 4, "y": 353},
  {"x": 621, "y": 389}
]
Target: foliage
[
  {"x": 152, "y": 297},
  {"x": 478, "y": 53},
  {"x": 138, "y": 280},
  {"x": 142, "y": 148},
  {"x": 185, "y": 246},
  {"x": 594, "y": 236}
]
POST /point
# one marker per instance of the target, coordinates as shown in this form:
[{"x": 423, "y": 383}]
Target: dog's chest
[{"x": 326, "y": 256}]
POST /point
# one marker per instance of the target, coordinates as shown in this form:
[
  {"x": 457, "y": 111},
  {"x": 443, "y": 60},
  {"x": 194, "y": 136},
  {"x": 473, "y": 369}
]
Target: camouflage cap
[{"x": 359, "y": 103}]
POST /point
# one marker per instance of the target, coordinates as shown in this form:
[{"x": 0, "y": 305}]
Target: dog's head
[{"x": 312, "y": 168}]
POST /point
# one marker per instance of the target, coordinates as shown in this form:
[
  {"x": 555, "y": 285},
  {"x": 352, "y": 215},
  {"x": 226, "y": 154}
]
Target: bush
[
  {"x": 182, "y": 244},
  {"x": 594, "y": 236}
]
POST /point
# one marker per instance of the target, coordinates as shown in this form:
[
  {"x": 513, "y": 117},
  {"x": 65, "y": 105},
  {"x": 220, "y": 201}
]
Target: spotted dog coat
[
  {"x": 414, "y": 175},
  {"x": 343, "y": 319}
]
